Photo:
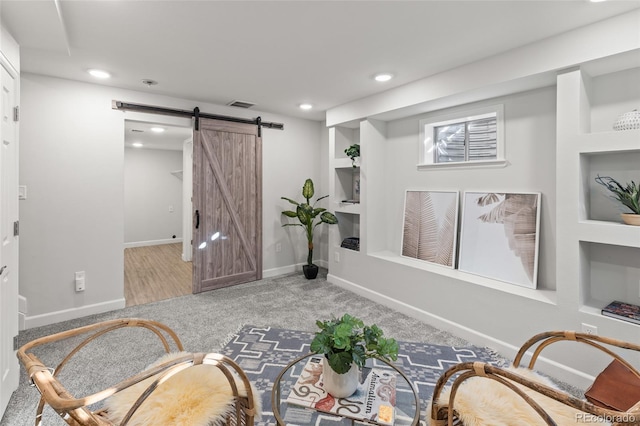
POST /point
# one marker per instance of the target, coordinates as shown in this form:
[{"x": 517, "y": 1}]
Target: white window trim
[{"x": 426, "y": 138}]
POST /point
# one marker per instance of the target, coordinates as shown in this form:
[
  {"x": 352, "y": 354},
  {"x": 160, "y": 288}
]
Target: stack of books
[
  {"x": 623, "y": 311},
  {"x": 351, "y": 243}
]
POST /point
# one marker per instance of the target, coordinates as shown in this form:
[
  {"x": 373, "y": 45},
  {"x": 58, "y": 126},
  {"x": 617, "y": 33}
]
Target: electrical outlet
[
  {"x": 80, "y": 277},
  {"x": 589, "y": 329},
  {"x": 278, "y": 247},
  {"x": 336, "y": 256}
]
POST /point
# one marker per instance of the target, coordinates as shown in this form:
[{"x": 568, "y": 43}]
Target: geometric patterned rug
[{"x": 263, "y": 352}]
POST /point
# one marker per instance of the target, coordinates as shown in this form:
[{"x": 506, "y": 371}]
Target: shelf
[
  {"x": 608, "y": 272},
  {"x": 343, "y": 163},
  {"x": 348, "y": 226},
  {"x": 596, "y": 231},
  {"x": 348, "y": 208},
  {"x": 545, "y": 296},
  {"x": 608, "y": 142},
  {"x": 596, "y": 312}
]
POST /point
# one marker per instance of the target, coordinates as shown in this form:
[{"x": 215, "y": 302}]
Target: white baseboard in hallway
[
  {"x": 152, "y": 242},
  {"x": 69, "y": 314}
]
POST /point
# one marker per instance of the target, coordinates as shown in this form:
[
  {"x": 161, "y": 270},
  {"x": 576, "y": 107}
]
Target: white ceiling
[{"x": 278, "y": 54}]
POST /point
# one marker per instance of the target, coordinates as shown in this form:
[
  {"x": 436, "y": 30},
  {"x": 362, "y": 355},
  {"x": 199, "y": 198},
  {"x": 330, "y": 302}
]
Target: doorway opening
[{"x": 157, "y": 211}]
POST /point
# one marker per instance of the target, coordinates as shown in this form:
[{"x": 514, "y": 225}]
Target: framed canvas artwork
[
  {"x": 430, "y": 226},
  {"x": 500, "y": 236}
]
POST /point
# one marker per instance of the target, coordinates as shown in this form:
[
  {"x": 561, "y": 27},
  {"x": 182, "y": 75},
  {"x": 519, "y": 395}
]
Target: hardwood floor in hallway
[{"x": 155, "y": 273}]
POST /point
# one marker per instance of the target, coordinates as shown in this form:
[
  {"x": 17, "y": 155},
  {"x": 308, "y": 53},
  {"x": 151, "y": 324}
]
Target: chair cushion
[
  {"x": 197, "y": 396},
  {"x": 485, "y": 402}
]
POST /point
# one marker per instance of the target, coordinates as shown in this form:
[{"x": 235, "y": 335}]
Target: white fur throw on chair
[
  {"x": 197, "y": 396},
  {"x": 481, "y": 401}
]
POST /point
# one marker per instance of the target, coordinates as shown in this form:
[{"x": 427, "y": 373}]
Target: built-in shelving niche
[
  {"x": 609, "y": 272},
  {"x": 624, "y": 166}
]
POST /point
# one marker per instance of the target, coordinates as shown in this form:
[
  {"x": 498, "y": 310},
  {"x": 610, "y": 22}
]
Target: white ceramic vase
[{"x": 340, "y": 385}]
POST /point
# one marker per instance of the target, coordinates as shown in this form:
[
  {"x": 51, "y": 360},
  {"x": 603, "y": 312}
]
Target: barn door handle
[{"x": 197, "y": 219}]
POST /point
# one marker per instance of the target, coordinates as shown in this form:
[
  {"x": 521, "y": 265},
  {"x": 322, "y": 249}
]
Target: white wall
[
  {"x": 152, "y": 196},
  {"x": 488, "y": 312},
  {"x": 72, "y": 160}
]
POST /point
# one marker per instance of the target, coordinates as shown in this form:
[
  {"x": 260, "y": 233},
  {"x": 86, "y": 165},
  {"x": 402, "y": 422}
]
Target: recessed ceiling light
[
  {"x": 306, "y": 106},
  {"x": 137, "y": 145},
  {"x": 99, "y": 73},
  {"x": 157, "y": 129},
  {"x": 597, "y": 1},
  {"x": 383, "y": 77}
]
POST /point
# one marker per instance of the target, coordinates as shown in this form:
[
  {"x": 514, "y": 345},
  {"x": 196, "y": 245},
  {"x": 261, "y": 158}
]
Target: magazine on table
[{"x": 374, "y": 400}]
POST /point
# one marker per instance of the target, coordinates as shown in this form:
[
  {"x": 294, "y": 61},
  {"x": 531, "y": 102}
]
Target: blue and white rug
[{"x": 263, "y": 352}]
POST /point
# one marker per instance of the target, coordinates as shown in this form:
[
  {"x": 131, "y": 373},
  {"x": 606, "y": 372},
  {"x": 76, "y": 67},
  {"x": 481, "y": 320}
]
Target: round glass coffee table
[{"x": 406, "y": 408}]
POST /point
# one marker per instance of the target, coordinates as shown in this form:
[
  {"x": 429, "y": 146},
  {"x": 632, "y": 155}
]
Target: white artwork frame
[
  {"x": 430, "y": 226},
  {"x": 491, "y": 245}
]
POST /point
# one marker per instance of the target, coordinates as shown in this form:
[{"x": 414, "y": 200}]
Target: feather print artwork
[
  {"x": 500, "y": 236},
  {"x": 430, "y": 224}
]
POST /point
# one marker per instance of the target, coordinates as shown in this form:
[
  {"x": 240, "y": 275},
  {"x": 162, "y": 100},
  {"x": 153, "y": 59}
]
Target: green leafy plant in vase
[
  {"x": 628, "y": 196},
  {"x": 346, "y": 344},
  {"x": 353, "y": 152},
  {"x": 309, "y": 216}
]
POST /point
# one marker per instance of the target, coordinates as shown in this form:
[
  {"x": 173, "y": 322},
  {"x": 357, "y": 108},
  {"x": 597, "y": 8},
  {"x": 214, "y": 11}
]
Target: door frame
[{"x": 9, "y": 367}]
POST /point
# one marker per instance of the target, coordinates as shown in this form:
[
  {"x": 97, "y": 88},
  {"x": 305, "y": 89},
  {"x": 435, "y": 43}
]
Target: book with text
[{"x": 373, "y": 401}]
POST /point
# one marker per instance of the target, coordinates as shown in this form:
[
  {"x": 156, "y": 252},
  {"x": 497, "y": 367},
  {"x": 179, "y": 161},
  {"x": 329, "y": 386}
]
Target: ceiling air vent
[{"x": 241, "y": 104}]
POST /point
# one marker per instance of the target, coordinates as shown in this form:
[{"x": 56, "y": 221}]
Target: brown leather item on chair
[
  {"x": 617, "y": 388},
  {"x": 546, "y": 404}
]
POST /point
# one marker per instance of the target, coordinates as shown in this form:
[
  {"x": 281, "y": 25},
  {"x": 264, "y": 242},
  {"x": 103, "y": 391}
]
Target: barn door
[{"x": 227, "y": 204}]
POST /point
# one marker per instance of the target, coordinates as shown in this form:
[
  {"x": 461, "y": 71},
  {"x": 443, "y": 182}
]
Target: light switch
[{"x": 22, "y": 192}]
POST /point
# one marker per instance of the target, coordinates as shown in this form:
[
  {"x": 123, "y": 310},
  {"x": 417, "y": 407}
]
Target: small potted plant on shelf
[
  {"x": 628, "y": 196},
  {"x": 353, "y": 152},
  {"x": 346, "y": 343},
  {"x": 309, "y": 217}
]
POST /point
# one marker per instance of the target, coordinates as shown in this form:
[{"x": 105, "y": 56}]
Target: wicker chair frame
[
  {"x": 446, "y": 414},
  {"x": 75, "y": 411}
]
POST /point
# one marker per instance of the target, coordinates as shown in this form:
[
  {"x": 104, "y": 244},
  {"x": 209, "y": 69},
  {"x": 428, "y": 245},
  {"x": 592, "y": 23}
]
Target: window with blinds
[
  {"x": 468, "y": 137},
  {"x": 467, "y": 141}
]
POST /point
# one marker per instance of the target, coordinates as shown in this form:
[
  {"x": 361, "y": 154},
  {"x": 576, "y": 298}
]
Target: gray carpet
[{"x": 205, "y": 323}]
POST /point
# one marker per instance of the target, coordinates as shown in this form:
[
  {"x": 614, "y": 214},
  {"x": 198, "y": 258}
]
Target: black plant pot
[{"x": 310, "y": 271}]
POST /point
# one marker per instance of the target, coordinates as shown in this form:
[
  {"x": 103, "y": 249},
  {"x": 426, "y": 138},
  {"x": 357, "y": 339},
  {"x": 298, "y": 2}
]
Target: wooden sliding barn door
[{"x": 227, "y": 205}]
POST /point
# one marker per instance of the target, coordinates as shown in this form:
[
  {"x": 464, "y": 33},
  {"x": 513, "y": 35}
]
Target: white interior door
[{"x": 9, "y": 370}]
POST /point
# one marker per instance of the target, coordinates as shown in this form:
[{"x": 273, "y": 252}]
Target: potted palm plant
[
  {"x": 628, "y": 196},
  {"x": 309, "y": 217},
  {"x": 346, "y": 343}
]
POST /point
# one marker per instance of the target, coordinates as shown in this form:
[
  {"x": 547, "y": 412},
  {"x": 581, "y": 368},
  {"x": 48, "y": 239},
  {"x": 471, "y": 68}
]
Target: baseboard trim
[
  {"x": 22, "y": 311},
  {"x": 268, "y": 273},
  {"x": 69, "y": 314},
  {"x": 152, "y": 242},
  {"x": 281, "y": 270},
  {"x": 548, "y": 366}
]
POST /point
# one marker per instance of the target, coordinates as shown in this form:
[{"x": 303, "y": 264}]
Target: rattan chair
[
  {"x": 446, "y": 411},
  {"x": 77, "y": 411}
]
